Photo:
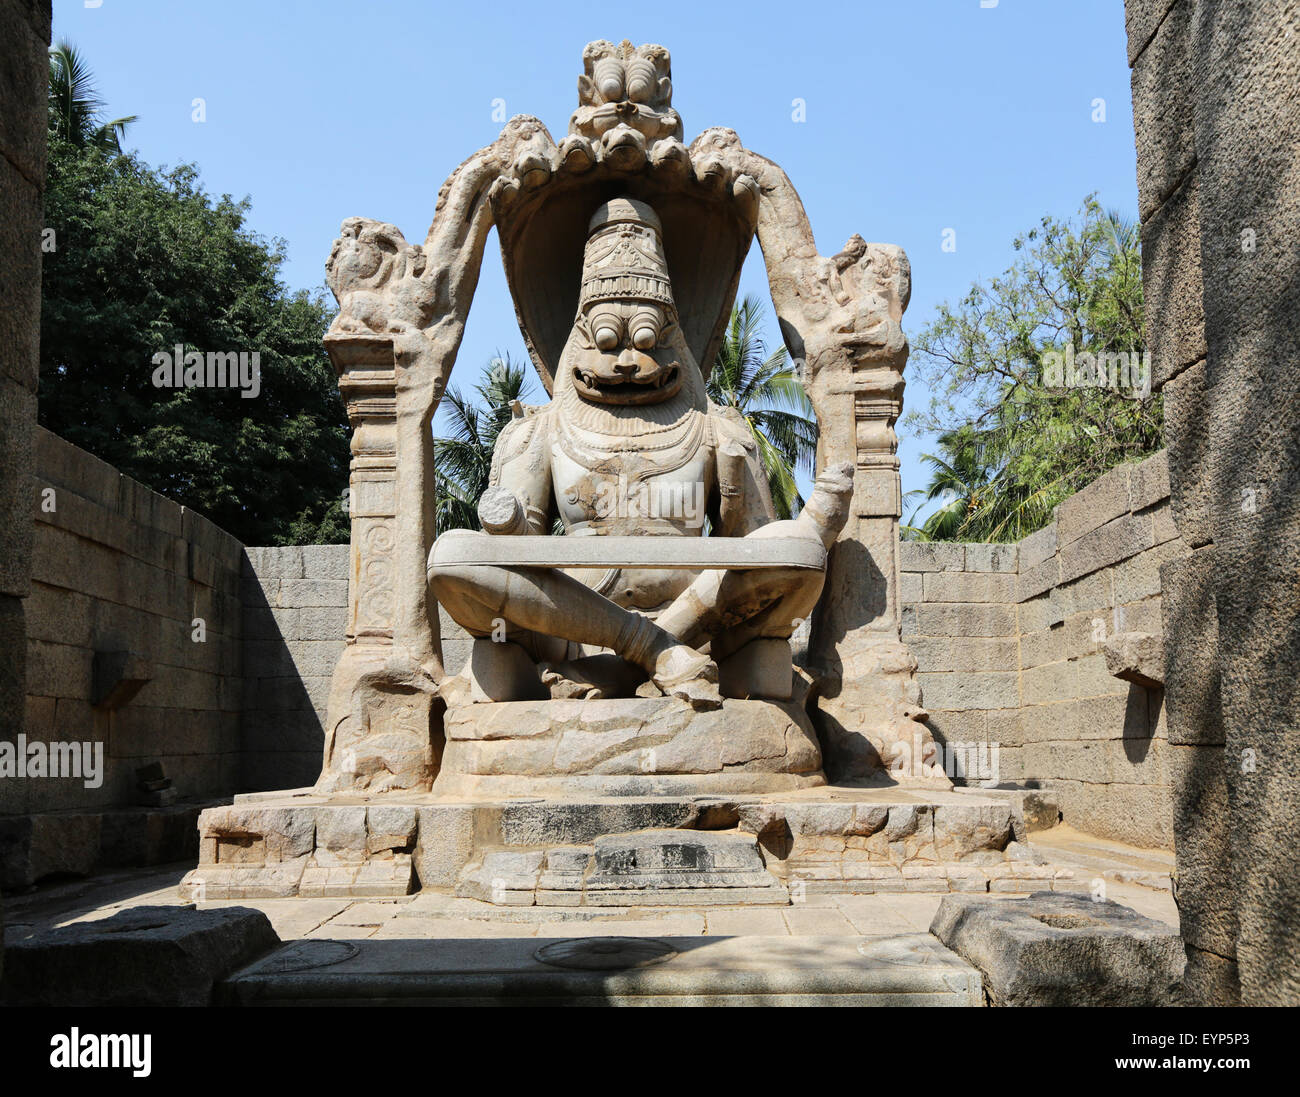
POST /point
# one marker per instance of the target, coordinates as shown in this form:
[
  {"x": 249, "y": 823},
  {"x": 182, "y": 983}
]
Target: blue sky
[{"x": 921, "y": 115}]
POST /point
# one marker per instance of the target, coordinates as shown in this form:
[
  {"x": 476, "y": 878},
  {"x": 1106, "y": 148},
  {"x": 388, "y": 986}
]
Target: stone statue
[
  {"x": 630, "y": 445},
  {"x": 665, "y": 612}
]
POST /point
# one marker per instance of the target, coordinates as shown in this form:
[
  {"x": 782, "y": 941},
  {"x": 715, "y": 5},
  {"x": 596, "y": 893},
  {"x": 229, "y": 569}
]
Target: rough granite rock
[
  {"x": 146, "y": 956},
  {"x": 1137, "y": 657},
  {"x": 1059, "y": 949}
]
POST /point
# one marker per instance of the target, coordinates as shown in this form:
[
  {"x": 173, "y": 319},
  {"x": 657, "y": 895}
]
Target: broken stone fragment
[
  {"x": 1137, "y": 657},
  {"x": 1055, "y": 949}
]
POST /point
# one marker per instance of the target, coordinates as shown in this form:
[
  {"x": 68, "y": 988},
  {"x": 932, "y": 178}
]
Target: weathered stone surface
[
  {"x": 1192, "y": 671},
  {"x": 633, "y": 746},
  {"x": 1171, "y": 268},
  {"x": 261, "y": 833},
  {"x": 946, "y": 586},
  {"x": 145, "y": 956},
  {"x": 1037, "y": 547},
  {"x": 1187, "y": 426},
  {"x": 1107, "y": 544},
  {"x": 377, "y": 877},
  {"x": 553, "y": 822},
  {"x": 1105, "y": 499},
  {"x": 1137, "y": 657},
  {"x": 963, "y": 830},
  {"x": 831, "y": 970},
  {"x": 1054, "y": 949},
  {"x": 505, "y": 878},
  {"x": 931, "y": 556},
  {"x": 1141, "y": 20},
  {"x": 1163, "y": 103},
  {"x": 1149, "y": 481},
  {"x": 992, "y": 557},
  {"x": 662, "y": 859},
  {"x": 445, "y": 843}
]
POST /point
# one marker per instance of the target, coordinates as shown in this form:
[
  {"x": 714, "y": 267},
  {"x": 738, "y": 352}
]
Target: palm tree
[
  {"x": 462, "y": 462},
  {"x": 984, "y": 499},
  {"x": 74, "y": 107},
  {"x": 765, "y": 390}
]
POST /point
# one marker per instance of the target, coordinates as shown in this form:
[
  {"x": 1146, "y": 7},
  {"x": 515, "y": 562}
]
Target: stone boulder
[
  {"x": 145, "y": 956},
  {"x": 1059, "y": 949}
]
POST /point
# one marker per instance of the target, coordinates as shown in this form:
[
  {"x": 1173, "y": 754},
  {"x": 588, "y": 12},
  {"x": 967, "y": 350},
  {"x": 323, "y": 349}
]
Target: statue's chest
[{"x": 630, "y": 492}]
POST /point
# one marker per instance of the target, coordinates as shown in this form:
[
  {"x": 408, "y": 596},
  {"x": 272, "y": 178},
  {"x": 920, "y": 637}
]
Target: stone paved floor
[{"x": 447, "y": 917}]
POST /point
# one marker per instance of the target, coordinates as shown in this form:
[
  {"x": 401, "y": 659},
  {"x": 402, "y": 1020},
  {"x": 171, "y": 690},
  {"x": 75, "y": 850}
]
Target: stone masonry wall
[
  {"x": 1009, "y": 641},
  {"x": 295, "y": 620},
  {"x": 1215, "y": 87},
  {"x": 295, "y": 623},
  {"x": 25, "y": 31},
  {"x": 119, "y": 569}
]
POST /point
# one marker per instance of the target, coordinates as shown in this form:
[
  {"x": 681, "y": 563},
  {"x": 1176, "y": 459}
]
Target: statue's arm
[
  {"x": 744, "y": 502},
  {"x": 519, "y": 498}
]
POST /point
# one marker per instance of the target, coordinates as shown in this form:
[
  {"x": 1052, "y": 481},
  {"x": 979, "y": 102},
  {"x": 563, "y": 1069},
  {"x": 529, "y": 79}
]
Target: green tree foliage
[
  {"x": 1038, "y": 379},
  {"x": 462, "y": 460},
  {"x": 765, "y": 390},
  {"x": 75, "y": 109},
  {"x": 145, "y": 260}
]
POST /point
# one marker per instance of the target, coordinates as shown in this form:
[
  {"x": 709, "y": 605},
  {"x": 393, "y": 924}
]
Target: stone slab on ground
[
  {"x": 77, "y": 843},
  {"x": 913, "y": 969},
  {"x": 1116, "y": 863},
  {"x": 146, "y": 956},
  {"x": 1032, "y": 809},
  {"x": 1052, "y": 949}
]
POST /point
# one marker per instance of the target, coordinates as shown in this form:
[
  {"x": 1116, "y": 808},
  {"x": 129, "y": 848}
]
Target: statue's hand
[
  {"x": 828, "y": 507},
  {"x": 501, "y": 512}
]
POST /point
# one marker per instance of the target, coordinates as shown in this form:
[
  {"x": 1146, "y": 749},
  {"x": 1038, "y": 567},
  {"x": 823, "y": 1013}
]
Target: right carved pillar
[
  {"x": 868, "y": 705},
  {"x": 841, "y": 318}
]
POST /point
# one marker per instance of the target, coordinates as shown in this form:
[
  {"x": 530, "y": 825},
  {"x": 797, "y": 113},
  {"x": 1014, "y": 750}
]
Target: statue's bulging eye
[
  {"x": 608, "y": 74},
  {"x": 606, "y": 338},
  {"x": 640, "y": 80},
  {"x": 644, "y": 338}
]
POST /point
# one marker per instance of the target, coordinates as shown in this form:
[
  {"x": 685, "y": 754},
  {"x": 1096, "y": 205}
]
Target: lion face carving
[
  {"x": 377, "y": 279},
  {"x": 626, "y": 85}
]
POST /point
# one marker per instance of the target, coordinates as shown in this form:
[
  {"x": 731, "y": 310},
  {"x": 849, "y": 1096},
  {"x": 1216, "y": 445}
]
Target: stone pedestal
[
  {"x": 594, "y": 850},
  {"x": 628, "y": 747}
]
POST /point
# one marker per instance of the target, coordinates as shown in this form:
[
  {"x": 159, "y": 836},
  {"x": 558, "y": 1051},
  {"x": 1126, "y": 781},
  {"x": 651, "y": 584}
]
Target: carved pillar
[
  {"x": 368, "y": 382},
  {"x": 383, "y": 716},
  {"x": 868, "y": 706},
  {"x": 841, "y": 316}
]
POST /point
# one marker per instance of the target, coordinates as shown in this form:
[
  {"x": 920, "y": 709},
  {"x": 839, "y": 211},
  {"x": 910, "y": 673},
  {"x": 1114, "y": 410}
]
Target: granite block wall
[
  {"x": 25, "y": 30},
  {"x": 1010, "y": 640},
  {"x": 295, "y": 624},
  {"x": 1215, "y": 84},
  {"x": 129, "y": 591}
]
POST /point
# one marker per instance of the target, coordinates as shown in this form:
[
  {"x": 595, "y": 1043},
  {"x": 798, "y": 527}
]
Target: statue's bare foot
[
  {"x": 681, "y": 671},
  {"x": 564, "y": 688}
]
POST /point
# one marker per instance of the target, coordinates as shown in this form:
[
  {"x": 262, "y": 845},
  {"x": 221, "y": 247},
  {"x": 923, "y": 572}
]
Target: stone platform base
[
  {"x": 638, "y": 746},
  {"x": 906, "y": 970},
  {"x": 598, "y": 852},
  {"x": 78, "y": 843}
]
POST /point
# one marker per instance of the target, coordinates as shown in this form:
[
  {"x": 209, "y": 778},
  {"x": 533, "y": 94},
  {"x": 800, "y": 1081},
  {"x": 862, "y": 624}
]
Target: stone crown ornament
[{"x": 624, "y": 257}]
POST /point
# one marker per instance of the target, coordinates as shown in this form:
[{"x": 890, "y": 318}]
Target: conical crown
[{"x": 624, "y": 256}]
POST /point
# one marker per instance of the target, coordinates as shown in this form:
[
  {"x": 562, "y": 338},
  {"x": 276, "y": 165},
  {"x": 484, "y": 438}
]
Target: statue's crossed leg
[{"x": 549, "y": 603}]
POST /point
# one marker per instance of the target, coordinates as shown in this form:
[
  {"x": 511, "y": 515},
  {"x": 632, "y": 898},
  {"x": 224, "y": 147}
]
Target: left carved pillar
[{"x": 384, "y": 718}]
